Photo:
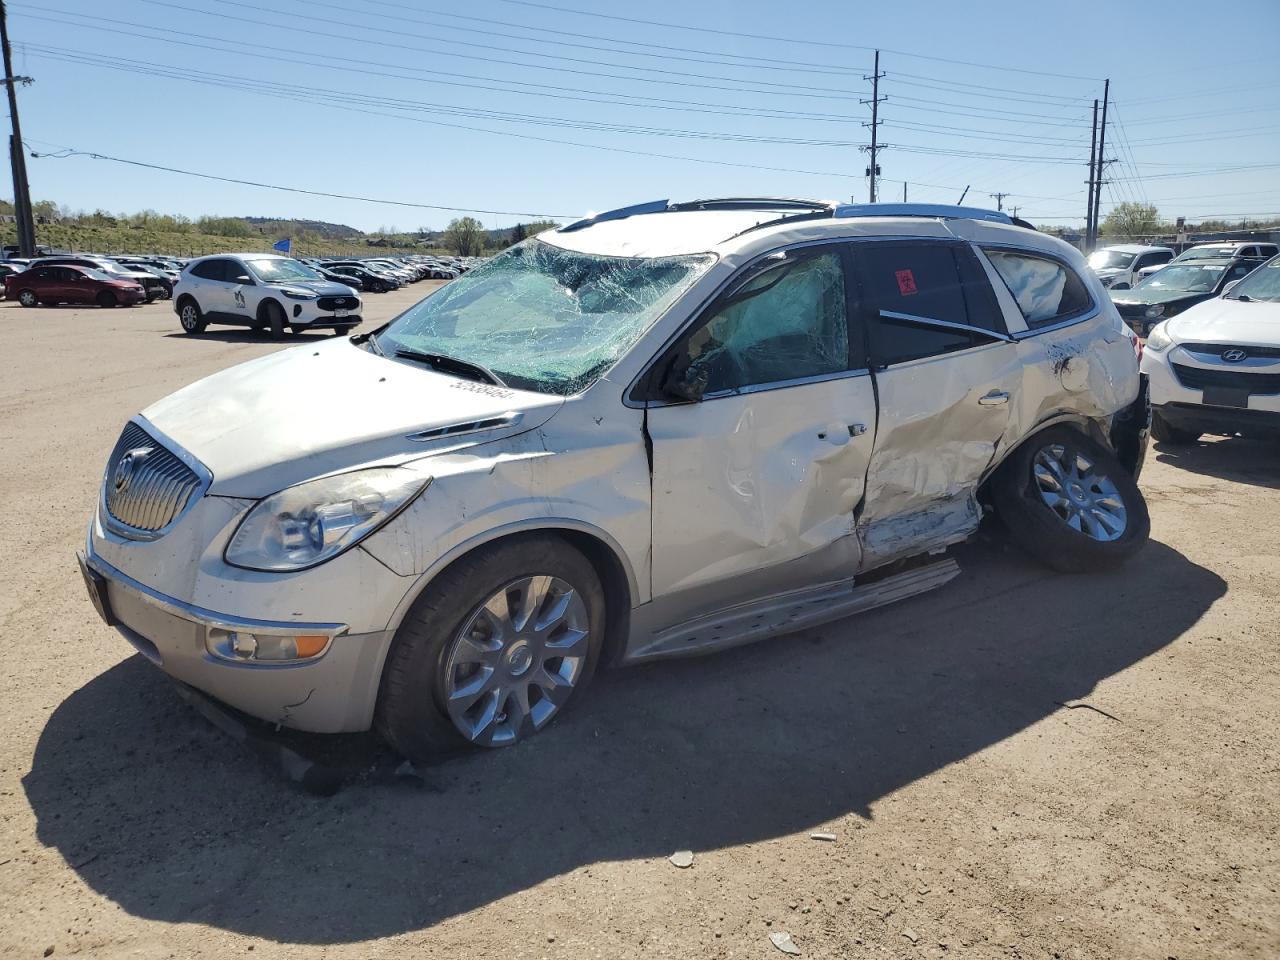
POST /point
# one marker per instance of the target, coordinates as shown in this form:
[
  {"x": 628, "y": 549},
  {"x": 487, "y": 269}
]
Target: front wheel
[
  {"x": 275, "y": 321},
  {"x": 106, "y": 299},
  {"x": 494, "y": 650},
  {"x": 1069, "y": 503},
  {"x": 1162, "y": 431}
]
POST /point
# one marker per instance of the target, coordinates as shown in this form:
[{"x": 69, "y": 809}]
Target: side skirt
[{"x": 783, "y": 613}]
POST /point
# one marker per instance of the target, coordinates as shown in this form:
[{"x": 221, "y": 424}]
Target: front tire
[
  {"x": 1162, "y": 431},
  {"x": 275, "y": 320},
  {"x": 1069, "y": 503},
  {"x": 106, "y": 299},
  {"x": 494, "y": 650},
  {"x": 189, "y": 315}
]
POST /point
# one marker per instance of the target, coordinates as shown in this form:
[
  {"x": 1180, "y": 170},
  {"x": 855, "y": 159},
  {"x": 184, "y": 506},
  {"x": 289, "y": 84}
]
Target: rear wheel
[
  {"x": 28, "y": 298},
  {"x": 106, "y": 299},
  {"x": 190, "y": 317},
  {"x": 1069, "y": 502},
  {"x": 1162, "y": 431},
  {"x": 494, "y": 650}
]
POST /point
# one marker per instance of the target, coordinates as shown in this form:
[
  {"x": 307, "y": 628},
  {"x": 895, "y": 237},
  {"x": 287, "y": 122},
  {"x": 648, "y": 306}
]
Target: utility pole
[
  {"x": 1014, "y": 213},
  {"x": 999, "y": 199},
  {"x": 873, "y": 170},
  {"x": 1101, "y": 162},
  {"x": 904, "y": 191},
  {"x": 17, "y": 157},
  {"x": 1090, "y": 228}
]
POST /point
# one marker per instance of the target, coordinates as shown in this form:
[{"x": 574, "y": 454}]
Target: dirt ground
[{"x": 1021, "y": 764}]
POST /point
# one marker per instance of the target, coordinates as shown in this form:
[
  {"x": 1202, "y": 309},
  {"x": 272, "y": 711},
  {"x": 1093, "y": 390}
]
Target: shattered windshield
[
  {"x": 543, "y": 318},
  {"x": 1262, "y": 284}
]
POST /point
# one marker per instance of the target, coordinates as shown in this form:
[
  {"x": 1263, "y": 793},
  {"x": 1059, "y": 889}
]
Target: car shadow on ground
[
  {"x": 1240, "y": 459},
  {"x": 172, "y": 821}
]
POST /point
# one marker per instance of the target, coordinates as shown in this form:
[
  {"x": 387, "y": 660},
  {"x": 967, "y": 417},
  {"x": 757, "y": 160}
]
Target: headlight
[
  {"x": 300, "y": 294},
  {"x": 1158, "y": 341},
  {"x": 1155, "y": 310},
  {"x": 307, "y": 524}
]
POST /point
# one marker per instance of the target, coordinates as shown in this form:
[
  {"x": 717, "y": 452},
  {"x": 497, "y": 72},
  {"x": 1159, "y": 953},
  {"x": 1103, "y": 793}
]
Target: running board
[{"x": 790, "y": 612}]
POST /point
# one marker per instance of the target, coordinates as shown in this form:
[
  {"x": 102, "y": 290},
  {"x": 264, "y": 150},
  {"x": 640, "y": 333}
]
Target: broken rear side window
[{"x": 544, "y": 318}]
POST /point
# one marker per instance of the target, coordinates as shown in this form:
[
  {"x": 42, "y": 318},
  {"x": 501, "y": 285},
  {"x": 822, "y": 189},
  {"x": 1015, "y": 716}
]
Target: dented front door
[
  {"x": 755, "y": 485},
  {"x": 948, "y": 375}
]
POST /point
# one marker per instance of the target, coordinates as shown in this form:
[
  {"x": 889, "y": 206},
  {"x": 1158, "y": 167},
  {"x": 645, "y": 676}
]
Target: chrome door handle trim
[{"x": 994, "y": 398}]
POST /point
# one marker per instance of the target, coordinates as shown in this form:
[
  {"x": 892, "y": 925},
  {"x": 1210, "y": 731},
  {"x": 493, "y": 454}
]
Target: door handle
[
  {"x": 857, "y": 429},
  {"x": 994, "y": 398}
]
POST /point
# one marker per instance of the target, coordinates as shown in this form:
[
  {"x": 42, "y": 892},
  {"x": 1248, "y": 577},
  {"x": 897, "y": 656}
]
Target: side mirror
[
  {"x": 244, "y": 279},
  {"x": 683, "y": 380},
  {"x": 1229, "y": 287}
]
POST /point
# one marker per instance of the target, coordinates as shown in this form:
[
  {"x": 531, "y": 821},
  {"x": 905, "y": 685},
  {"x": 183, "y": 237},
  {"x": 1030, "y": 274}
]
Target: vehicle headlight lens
[
  {"x": 307, "y": 524},
  {"x": 1155, "y": 310},
  {"x": 1158, "y": 341},
  {"x": 300, "y": 294}
]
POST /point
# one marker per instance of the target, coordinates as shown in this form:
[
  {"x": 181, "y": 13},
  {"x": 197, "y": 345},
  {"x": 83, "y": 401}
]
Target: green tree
[
  {"x": 518, "y": 233},
  {"x": 1130, "y": 219},
  {"x": 465, "y": 236},
  {"x": 535, "y": 228}
]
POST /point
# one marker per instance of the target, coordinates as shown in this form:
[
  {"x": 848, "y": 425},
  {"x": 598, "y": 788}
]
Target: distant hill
[{"x": 322, "y": 228}]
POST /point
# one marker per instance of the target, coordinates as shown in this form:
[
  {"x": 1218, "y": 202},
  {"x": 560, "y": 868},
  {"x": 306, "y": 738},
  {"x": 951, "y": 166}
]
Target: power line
[
  {"x": 776, "y": 39},
  {"x": 71, "y": 152}
]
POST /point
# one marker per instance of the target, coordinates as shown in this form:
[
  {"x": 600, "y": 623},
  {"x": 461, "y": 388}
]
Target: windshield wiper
[{"x": 447, "y": 364}]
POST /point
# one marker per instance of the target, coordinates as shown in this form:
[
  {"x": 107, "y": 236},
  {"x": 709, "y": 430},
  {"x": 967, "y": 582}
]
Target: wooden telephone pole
[{"x": 17, "y": 155}]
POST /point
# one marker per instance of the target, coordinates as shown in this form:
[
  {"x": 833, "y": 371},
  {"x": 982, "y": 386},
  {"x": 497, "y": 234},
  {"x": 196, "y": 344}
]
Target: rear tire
[
  {"x": 189, "y": 315},
  {"x": 28, "y": 298},
  {"x": 106, "y": 299},
  {"x": 1069, "y": 503},
  {"x": 428, "y": 658},
  {"x": 1162, "y": 431}
]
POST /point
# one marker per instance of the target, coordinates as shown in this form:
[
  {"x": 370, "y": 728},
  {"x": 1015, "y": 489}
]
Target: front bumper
[
  {"x": 1209, "y": 409},
  {"x": 331, "y": 693},
  {"x": 308, "y": 313}
]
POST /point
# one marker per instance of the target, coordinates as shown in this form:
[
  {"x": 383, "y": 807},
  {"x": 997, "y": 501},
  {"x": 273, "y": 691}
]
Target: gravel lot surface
[{"x": 1021, "y": 764}]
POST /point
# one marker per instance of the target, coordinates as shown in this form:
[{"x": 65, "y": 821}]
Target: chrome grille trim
[{"x": 142, "y": 499}]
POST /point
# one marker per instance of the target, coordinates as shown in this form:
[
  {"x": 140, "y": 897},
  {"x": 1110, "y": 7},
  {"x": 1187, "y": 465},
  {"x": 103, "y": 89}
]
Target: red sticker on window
[{"x": 906, "y": 282}]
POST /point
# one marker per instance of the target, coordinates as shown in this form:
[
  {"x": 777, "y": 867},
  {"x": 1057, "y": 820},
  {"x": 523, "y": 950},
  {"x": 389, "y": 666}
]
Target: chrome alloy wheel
[
  {"x": 189, "y": 316},
  {"x": 516, "y": 660},
  {"x": 1084, "y": 499}
]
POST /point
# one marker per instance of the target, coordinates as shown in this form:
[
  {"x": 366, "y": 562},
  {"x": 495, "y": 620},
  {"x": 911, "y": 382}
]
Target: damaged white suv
[{"x": 664, "y": 430}]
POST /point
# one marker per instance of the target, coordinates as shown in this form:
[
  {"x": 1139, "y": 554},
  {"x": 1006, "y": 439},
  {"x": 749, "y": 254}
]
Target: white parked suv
[
  {"x": 1216, "y": 367},
  {"x": 665, "y": 430},
  {"x": 262, "y": 290},
  {"x": 1120, "y": 267}
]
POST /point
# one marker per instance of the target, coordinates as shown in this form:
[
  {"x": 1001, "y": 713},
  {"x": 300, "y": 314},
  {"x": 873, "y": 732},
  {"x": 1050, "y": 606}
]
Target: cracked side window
[{"x": 786, "y": 322}]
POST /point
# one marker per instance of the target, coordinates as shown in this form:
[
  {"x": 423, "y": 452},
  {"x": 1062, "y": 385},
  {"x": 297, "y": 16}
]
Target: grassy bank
[{"x": 116, "y": 240}]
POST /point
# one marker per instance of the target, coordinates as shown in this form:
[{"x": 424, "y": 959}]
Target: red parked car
[{"x": 70, "y": 285}]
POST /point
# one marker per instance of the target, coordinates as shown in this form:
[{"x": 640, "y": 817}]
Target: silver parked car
[{"x": 665, "y": 430}]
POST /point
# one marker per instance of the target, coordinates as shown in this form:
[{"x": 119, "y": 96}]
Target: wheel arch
[
  {"x": 617, "y": 577},
  {"x": 1089, "y": 427},
  {"x": 264, "y": 308}
]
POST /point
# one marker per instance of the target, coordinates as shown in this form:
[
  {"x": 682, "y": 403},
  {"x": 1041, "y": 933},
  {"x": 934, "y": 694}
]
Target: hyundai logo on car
[{"x": 1235, "y": 355}]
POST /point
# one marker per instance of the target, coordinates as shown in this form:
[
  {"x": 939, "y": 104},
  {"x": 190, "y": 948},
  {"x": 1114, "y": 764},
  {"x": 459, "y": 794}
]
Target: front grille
[
  {"x": 1217, "y": 349},
  {"x": 1198, "y": 378},
  {"x": 1132, "y": 309},
  {"x": 147, "y": 486},
  {"x": 338, "y": 303}
]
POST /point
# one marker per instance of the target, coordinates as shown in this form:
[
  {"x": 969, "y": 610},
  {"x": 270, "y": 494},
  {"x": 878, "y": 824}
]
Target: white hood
[
  {"x": 1252, "y": 323},
  {"x": 313, "y": 410}
]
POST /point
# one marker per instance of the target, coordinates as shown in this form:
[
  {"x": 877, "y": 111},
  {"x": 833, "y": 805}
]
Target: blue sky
[{"x": 569, "y": 106}]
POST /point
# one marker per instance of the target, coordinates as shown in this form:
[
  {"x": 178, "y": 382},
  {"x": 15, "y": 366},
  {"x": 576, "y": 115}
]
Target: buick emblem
[
  {"x": 1234, "y": 355},
  {"x": 122, "y": 476}
]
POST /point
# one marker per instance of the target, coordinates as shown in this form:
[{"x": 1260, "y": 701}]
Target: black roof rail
[{"x": 754, "y": 203}]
